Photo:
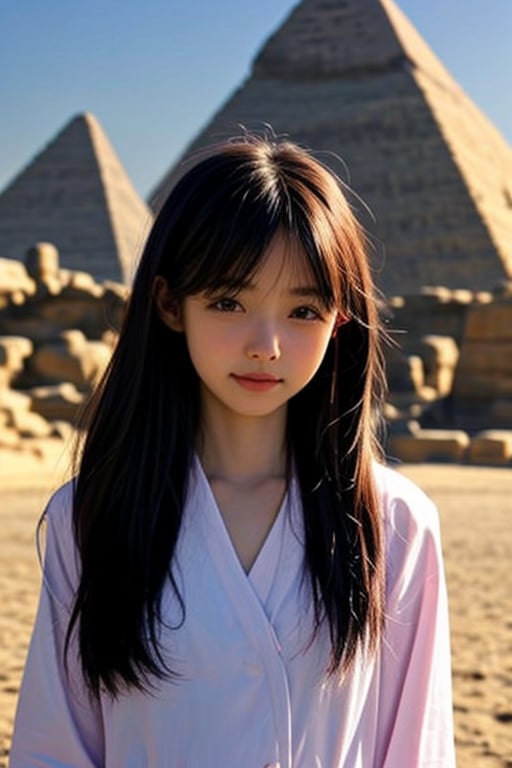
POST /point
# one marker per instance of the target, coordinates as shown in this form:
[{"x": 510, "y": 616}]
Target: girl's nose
[{"x": 263, "y": 345}]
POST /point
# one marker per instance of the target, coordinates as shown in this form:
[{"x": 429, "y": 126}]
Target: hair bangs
[
  {"x": 302, "y": 255},
  {"x": 230, "y": 263},
  {"x": 221, "y": 231},
  {"x": 231, "y": 205}
]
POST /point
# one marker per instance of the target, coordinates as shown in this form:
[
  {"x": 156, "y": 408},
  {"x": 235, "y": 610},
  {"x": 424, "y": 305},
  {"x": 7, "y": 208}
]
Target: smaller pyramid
[{"x": 76, "y": 194}]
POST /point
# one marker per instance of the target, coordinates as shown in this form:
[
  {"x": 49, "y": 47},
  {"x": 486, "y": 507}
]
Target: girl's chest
[
  {"x": 246, "y": 674},
  {"x": 225, "y": 617},
  {"x": 248, "y": 515},
  {"x": 233, "y": 641}
]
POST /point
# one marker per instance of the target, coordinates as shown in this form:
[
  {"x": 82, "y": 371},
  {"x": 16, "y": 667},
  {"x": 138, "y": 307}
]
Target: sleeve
[
  {"x": 57, "y": 722},
  {"x": 415, "y": 703}
]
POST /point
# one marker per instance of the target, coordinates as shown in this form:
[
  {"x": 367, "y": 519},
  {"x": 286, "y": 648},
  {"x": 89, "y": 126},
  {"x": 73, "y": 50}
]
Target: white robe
[{"x": 252, "y": 690}]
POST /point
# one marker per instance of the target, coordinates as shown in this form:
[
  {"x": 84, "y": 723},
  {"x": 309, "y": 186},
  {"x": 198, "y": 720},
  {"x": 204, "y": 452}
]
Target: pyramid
[
  {"x": 76, "y": 195},
  {"x": 353, "y": 78}
]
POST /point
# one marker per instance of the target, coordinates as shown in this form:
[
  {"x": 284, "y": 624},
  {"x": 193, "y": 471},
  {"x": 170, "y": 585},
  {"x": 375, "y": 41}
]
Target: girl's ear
[
  {"x": 341, "y": 319},
  {"x": 168, "y": 307}
]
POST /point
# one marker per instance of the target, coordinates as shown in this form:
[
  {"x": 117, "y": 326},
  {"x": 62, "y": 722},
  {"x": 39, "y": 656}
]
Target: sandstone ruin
[
  {"x": 57, "y": 330},
  {"x": 449, "y": 362}
]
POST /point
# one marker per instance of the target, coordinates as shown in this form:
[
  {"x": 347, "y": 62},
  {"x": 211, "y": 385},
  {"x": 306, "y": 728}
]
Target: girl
[{"x": 233, "y": 578}]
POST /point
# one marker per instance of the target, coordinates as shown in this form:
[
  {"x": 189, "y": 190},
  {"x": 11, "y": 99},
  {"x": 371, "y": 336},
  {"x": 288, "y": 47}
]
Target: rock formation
[
  {"x": 449, "y": 362},
  {"x": 57, "y": 330}
]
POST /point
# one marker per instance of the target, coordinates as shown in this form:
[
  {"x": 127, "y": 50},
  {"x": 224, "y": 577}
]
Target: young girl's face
[{"x": 255, "y": 348}]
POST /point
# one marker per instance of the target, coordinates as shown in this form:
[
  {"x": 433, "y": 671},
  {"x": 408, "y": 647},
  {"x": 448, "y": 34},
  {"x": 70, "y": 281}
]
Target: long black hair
[{"x": 213, "y": 230}]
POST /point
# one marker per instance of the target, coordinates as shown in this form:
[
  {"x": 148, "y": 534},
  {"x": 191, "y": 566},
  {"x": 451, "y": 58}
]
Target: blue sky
[{"x": 154, "y": 72}]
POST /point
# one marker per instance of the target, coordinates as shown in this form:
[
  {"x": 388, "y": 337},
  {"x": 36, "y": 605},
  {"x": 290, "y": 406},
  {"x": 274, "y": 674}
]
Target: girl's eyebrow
[
  {"x": 307, "y": 291},
  {"x": 303, "y": 291}
]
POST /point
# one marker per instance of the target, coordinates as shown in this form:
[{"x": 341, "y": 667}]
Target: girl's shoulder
[
  {"x": 61, "y": 562},
  {"x": 406, "y": 508},
  {"x": 412, "y": 534},
  {"x": 413, "y": 548},
  {"x": 59, "y": 508}
]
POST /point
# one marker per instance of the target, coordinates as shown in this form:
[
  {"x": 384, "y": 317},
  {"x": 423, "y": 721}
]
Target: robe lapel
[{"x": 245, "y": 599}]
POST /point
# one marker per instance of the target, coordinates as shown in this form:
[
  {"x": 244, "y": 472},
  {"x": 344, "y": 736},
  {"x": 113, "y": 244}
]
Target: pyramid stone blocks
[
  {"x": 484, "y": 372},
  {"x": 76, "y": 195},
  {"x": 353, "y": 78}
]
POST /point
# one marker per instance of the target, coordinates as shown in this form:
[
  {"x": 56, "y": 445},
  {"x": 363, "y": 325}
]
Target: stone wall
[
  {"x": 449, "y": 366},
  {"x": 57, "y": 330},
  {"x": 448, "y": 359}
]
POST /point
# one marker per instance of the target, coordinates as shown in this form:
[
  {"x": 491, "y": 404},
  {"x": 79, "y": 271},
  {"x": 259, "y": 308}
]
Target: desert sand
[{"x": 475, "y": 506}]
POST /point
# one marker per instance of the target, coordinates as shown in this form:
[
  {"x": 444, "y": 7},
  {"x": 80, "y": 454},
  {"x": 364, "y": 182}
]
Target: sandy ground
[{"x": 476, "y": 516}]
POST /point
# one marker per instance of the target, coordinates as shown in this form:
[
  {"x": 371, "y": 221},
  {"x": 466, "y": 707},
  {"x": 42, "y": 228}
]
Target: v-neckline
[{"x": 262, "y": 571}]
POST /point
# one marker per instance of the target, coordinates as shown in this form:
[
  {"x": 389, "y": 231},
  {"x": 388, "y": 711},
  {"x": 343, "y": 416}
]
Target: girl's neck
[{"x": 243, "y": 451}]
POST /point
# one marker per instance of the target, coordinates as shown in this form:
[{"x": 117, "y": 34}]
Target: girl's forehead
[{"x": 284, "y": 262}]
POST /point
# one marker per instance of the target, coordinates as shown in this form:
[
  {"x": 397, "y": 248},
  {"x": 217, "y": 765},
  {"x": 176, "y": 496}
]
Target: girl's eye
[
  {"x": 306, "y": 313},
  {"x": 226, "y": 305}
]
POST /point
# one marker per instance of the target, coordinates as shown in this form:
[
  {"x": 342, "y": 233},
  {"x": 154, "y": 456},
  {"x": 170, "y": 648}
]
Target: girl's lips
[{"x": 256, "y": 382}]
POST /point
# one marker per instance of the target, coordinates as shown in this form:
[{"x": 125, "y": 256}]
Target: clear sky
[{"x": 154, "y": 71}]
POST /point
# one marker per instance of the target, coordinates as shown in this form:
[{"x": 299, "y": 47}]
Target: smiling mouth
[{"x": 256, "y": 382}]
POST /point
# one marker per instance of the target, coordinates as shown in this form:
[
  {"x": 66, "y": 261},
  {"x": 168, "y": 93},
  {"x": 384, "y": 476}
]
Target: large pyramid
[
  {"x": 76, "y": 194},
  {"x": 353, "y": 77}
]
